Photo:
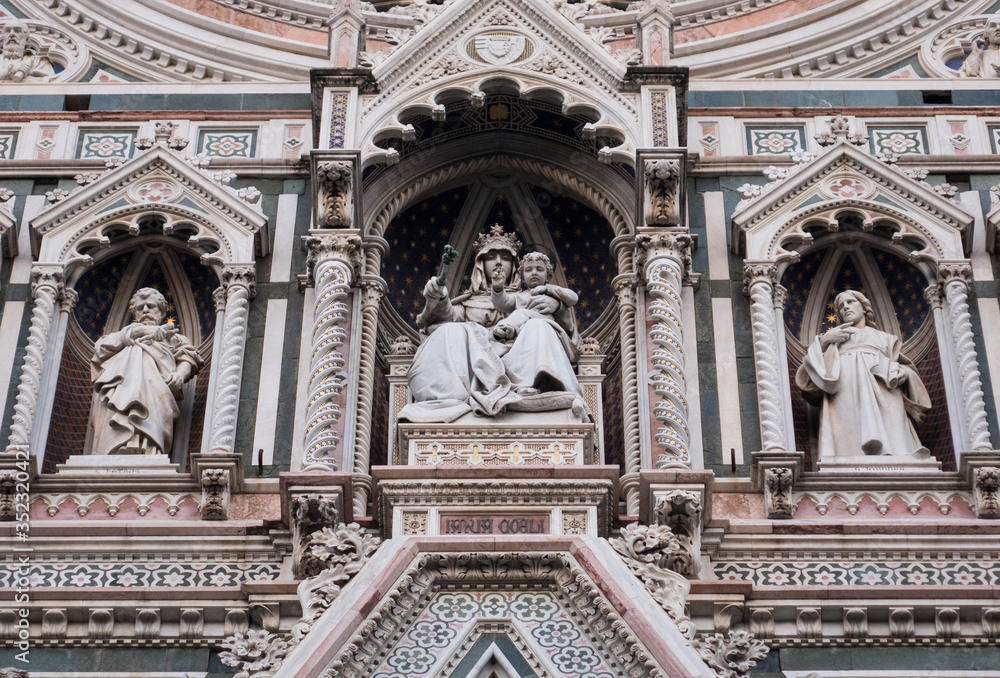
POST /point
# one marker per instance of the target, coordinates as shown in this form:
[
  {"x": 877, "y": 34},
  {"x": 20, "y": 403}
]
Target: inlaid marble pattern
[
  {"x": 859, "y": 573},
  {"x": 139, "y": 574}
]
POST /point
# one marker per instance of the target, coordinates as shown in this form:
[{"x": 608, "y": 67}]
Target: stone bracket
[
  {"x": 220, "y": 476},
  {"x": 311, "y": 502},
  {"x": 775, "y": 473},
  {"x": 337, "y": 198},
  {"x": 981, "y": 471},
  {"x": 681, "y": 500}
]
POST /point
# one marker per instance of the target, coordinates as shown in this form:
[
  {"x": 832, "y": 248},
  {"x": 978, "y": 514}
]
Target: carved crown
[{"x": 497, "y": 239}]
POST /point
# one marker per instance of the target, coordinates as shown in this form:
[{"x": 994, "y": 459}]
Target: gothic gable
[
  {"x": 844, "y": 180},
  {"x": 196, "y": 205}
]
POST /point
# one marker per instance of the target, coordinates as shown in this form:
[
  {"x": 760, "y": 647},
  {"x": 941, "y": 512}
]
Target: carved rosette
[
  {"x": 239, "y": 283},
  {"x": 624, "y": 287},
  {"x": 46, "y": 287},
  {"x": 335, "y": 199},
  {"x": 333, "y": 258},
  {"x": 986, "y": 492},
  {"x": 215, "y": 493},
  {"x": 778, "y": 492},
  {"x": 665, "y": 255},
  {"x": 956, "y": 277},
  {"x": 662, "y": 186},
  {"x": 759, "y": 279}
]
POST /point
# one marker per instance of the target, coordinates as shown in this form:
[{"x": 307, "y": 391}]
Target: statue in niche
[
  {"x": 984, "y": 60},
  {"x": 471, "y": 362},
  {"x": 18, "y": 61},
  {"x": 138, "y": 374},
  {"x": 869, "y": 393}
]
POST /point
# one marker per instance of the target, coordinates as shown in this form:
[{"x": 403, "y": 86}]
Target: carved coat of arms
[{"x": 499, "y": 49}]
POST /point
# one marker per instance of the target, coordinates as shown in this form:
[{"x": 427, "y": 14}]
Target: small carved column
[
  {"x": 67, "y": 302},
  {"x": 373, "y": 289},
  {"x": 46, "y": 286},
  {"x": 332, "y": 265},
  {"x": 656, "y": 39},
  {"x": 240, "y": 285},
  {"x": 667, "y": 256},
  {"x": 759, "y": 278},
  {"x": 956, "y": 277},
  {"x": 346, "y": 26},
  {"x": 625, "y": 290}
]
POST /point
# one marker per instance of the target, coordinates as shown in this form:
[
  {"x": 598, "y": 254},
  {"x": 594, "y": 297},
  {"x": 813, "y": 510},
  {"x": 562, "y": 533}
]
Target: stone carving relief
[
  {"x": 23, "y": 59},
  {"x": 215, "y": 493},
  {"x": 662, "y": 181},
  {"x": 681, "y": 511},
  {"x": 649, "y": 551},
  {"x": 507, "y": 359},
  {"x": 986, "y": 492},
  {"x": 733, "y": 655},
  {"x": 977, "y": 39},
  {"x": 335, "y": 179},
  {"x": 778, "y": 492},
  {"x": 138, "y": 375},
  {"x": 869, "y": 393}
]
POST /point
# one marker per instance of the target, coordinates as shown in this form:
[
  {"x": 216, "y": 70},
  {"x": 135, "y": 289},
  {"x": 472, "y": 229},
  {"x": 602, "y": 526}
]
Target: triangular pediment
[
  {"x": 845, "y": 176},
  {"x": 158, "y": 181}
]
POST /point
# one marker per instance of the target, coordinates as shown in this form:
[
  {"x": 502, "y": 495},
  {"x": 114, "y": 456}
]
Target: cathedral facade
[{"x": 500, "y": 338}]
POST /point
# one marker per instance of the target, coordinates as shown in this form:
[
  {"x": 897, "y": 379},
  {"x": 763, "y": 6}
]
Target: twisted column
[
  {"x": 956, "y": 277},
  {"x": 331, "y": 265},
  {"x": 759, "y": 280},
  {"x": 625, "y": 290},
  {"x": 372, "y": 291},
  {"x": 46, "y": 285},
  {"x": 667, "y": 257},
  {"x": 239, "y": 284}
]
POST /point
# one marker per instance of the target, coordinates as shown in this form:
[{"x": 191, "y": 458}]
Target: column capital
[
  {"x": 934, "y": 296},
  {"x": 373, "y": 288},
  {"x": 956, "y": 270},
  {"x": 52, "y": 276},
  {"x": 343, "y": 247},
  {"x": 68, "y": 299},
  {"x": 240, "y": 275},
  {"x": 759, "y": 271}
]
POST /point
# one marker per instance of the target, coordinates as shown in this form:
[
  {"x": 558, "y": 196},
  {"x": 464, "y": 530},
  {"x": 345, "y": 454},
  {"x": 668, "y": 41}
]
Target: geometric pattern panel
[
  {"x": 449, "y": 618},
  {"x": 899, "y": 139},
  {"x": 770, "y": 140},
  {"x": 230, "y": 143},
  {"x": 859, "y": 573},
  {"x": 106, "y": 144},
  {"x": 122, "y": 575},
  {"x": 8, "y": 144}
]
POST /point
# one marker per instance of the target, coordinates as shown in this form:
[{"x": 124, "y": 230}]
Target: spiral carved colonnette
[
  {"x": 765, "y": 344},
  {"x": 227, "y": 393},
  {"x": 366, "y": 390},
  {"x": 327, "y": 378},
  {"x": 45, "y": 289},
  {"x": 625, "y": 291},
  {"x": 957, "y": 293},
  {"x": 673, "y": 437}
]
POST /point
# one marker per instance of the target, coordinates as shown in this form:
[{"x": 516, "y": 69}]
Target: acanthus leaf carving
[
  {"x": 681, "y": 511},
  {"x": 335, "y": 179},
  {"x": 732, "y": 656},
  {"x": 662, "y": 186}
]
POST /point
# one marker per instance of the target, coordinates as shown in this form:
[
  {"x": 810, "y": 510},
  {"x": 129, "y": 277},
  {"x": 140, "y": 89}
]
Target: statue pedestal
[
  {"x": 514, "y": 438},
  {"x": 878, "y": 464},
  {"x": 117, "y": 464}
]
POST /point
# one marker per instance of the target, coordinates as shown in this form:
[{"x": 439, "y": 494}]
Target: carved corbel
[
  {"x": 681, "y": 511},
  {"x": 102, "y": 623},
  {"x": 986, "y": 492},
  {"x": 947, "y": 623},
  {"x": 663, "y": 183},
  {"x": 809, "y": 623},
  {"x": 775, "y": 474},
  {"x": 8, "y": 483},
  {"x": 147, "y": 622},
  {"x": 335, "y": 181},
  {"x": 762, "y": 622},
  {"x": 901, "y": 622},
  {"x": 310, "y": 513},
  {"x": 55, "y": 623},
  {"x": 990, "y": 620},
  {"x": 215, "y": 493},
  {"x": 192, "y": 623},
  {"x": 856, "y": 622},
  {"x": 733, "y": 655}
]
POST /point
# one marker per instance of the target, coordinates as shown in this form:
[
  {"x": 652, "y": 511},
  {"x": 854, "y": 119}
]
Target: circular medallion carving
[
  {"x": 155, "y": 191},
  {"x": 500, "y": 47}
]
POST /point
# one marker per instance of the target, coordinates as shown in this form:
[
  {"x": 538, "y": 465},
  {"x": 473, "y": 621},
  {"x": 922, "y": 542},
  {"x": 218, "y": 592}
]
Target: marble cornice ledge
[
  {"x": 246, "y": 168},
  {"x": 743, "y": 164}
]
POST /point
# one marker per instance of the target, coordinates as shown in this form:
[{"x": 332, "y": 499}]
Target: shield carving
[{"x": 499, "y": 49}]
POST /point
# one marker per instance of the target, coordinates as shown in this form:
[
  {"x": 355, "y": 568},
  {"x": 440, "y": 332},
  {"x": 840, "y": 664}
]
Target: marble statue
[
  {"x": 18, "y": 61},
  {"x": 138, "y": 373},
  {"x": 869, "y": 393},
  {"x": 462, "y": 367},
  {"x": 984, "y": 60}
]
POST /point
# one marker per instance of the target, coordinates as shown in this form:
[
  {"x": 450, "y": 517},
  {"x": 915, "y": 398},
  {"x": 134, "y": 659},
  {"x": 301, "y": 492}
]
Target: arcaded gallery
[{"x": 500, "y": 338}]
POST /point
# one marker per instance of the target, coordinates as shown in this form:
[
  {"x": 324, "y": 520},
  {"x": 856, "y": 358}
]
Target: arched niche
[{"x": 160, "y": 213}]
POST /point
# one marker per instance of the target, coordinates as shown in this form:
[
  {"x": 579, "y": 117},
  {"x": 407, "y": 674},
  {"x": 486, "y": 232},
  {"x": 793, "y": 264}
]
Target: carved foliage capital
[
  {"x": 934, "y": 296},
  {"x": 68, "y": 299},
  {"x": 333, "y": 247},
  {"x": 625, "y": 288},
  {"x": 955, "y": 271},
  {"x": 676, "y": 245},
  {"x": 759, "y": 271},
  {"x": 240, "y": 276},
  {"x": 50, "y": 277}
]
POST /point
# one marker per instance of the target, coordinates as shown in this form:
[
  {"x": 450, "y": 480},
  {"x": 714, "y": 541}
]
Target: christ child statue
[{"x": 536, "y": 271}]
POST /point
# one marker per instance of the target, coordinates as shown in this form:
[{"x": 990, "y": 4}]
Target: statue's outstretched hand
[{"x": 499, "y": 279}]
